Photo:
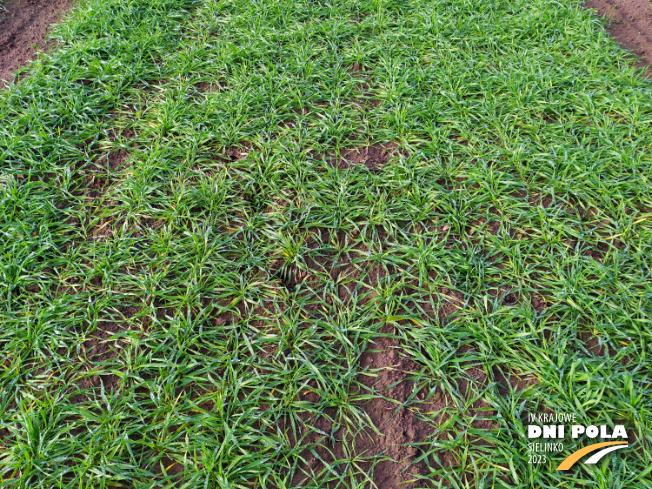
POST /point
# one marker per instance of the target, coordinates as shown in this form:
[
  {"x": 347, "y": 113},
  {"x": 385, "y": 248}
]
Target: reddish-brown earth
[
  {"x": 23, "y": 27},
  {"x": 373, "y": 157},
  {"x": 631, "y": 26},
  {"x": 400, "y": 427}
]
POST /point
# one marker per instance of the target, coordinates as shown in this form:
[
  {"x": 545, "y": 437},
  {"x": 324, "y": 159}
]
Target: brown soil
[
  {"x": 23, "y": 26},
  {"x": 98, "y": 350},
  {"x": 632, "y": 26},
  {"x": 400, "y": 426},
  {"x": 402, "y": 448},
  {"x": 373, "y": 157}
]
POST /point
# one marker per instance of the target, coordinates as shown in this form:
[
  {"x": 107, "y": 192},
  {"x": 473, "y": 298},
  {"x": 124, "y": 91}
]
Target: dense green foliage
[{"x": 182, "y": 253}]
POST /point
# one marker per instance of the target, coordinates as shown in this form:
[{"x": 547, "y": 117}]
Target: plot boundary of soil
[
  {"x": 631, "y": 26},
  {"x": 24, "y": 25}
]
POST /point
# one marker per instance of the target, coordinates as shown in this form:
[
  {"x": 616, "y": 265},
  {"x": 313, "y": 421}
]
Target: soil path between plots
[
  {"x": 632, "y": 27},
  {"x": 23, "y": 27}
]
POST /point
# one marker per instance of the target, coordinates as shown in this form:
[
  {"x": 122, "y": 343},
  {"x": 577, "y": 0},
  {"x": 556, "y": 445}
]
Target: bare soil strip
[
  {"x": 632, "y": 26},
  {"x": 23, "y": 27}
]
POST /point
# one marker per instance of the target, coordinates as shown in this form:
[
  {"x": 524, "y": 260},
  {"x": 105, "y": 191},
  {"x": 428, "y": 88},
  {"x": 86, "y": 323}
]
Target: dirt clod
[
  {"x": 373, "y": 157},
  {"x": 209, "y": 86}
]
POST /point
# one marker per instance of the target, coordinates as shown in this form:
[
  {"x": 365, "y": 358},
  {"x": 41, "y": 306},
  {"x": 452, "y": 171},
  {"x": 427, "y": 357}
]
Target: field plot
[{"x": 279, "y": 244}]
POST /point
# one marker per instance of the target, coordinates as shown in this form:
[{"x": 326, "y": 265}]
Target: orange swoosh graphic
[{"x": 575, "y": 456}]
